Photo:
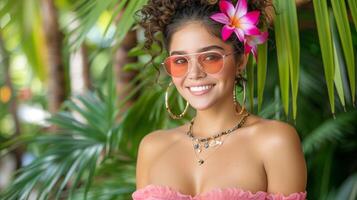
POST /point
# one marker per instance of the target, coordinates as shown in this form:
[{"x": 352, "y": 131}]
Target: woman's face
[{"x": 194, "y": 38}]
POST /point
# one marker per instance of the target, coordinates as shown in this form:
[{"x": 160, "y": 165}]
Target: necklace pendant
[
  {"x": 196, "y": 146},
  {"x": 200, "y": 161},
  {"x": 215, "y": 143},
  {"x": 206, "y": 145}
]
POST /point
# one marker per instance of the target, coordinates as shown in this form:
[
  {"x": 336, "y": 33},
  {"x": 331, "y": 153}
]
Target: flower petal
[
  {"x": 241, "y": 8},
  {"x": 260, "y": 39},
  {"x": 250, "y": 29},
  {"x": 250, "y": 18},
  {"x": 227, "y": 8},
  {"x": 255, "y": 52},
  {"x": 247, "y": 48},
  {"x": 226, "y": 32},
  {"x": 257, "y": 39},
  {"x": 240, "y": 34},
  {"x": 220, "y": 17}
]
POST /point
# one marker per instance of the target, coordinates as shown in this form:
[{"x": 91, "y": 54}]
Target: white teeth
[{"x": 200, "y": 88}]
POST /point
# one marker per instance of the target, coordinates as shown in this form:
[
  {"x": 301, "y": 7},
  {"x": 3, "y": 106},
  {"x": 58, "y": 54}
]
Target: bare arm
[{"x": 283, "y": 159}]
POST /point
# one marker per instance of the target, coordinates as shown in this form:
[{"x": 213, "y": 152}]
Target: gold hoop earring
[
  {"x": 172, "y": 115},
  {"x": 240, "y": 77}
]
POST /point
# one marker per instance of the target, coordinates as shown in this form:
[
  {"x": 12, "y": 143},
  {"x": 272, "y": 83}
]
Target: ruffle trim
[
  {"x": 293, "y": 196},
  {"x": 166, "y": 192}
]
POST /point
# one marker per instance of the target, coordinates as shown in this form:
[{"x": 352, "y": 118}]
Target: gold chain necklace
[{"x": 216, "y": 140}]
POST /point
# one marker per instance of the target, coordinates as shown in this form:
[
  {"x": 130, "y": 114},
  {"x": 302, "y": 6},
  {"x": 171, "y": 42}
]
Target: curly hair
[{"x": 165, "y": 17}]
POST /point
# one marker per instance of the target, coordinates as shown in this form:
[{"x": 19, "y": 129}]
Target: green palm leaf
[
  {"x": 261, "y": 71},
  {"x": 332, "y": 130},
  {"x": 338, "y": 63},
  {"x": 72, "y": 154},
  {"x": 288, "y": 48},
  {"x": 353, "y": 7},
  {"x": 117, "y": 181},
  {"x": 343, "y": 26},
  {"x": 89, "y": 11},
  {"x": 250, "y": 82},
  {"x": 128, "y": 19},
  {"x": 25, "y": 23},
  {"x": 293, "y": 43},
  {"x": 324, "y": 31}
]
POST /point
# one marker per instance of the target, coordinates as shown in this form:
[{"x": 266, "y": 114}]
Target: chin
[{"x": 201, "y": 105}]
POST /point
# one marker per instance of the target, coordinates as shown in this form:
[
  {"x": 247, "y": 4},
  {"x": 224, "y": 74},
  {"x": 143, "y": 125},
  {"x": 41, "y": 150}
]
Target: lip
[
  {"x": 199, "y": 93},
  {"x": 201, "y": 84}
]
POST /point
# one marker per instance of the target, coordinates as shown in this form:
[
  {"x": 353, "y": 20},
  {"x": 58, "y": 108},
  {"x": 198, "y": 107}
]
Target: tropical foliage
[{"x": 87, "y": 150}]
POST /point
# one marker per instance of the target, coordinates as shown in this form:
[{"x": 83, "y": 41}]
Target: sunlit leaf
[
  {"x": 281, "y": 35},
  {"x": 324, "y": 31},
  {"x": 343, "y": 26},
  {"x": 261, "y": 72},
  {"x": 353, "y": 8},
  {"x": 250, "y": 83},
  {"x": 338, "y": 63}
]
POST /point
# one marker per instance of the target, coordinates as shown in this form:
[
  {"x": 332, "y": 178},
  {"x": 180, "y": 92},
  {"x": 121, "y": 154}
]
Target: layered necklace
[{"x": 202, "y": 144}]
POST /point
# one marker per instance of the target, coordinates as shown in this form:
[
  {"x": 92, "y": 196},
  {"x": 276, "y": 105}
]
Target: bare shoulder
[
  {"x": 154, "y": 141},
  {"x": 279, "y": 146},
  {"x": 275, "y": 132},
  {"x": 151, "y": 145}
]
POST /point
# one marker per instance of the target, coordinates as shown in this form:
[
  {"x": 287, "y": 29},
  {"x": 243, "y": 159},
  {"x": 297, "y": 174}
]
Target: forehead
[{"x": 191, "y": 37}]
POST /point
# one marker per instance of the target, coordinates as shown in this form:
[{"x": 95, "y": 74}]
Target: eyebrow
[{"x": 200, "y": 50}]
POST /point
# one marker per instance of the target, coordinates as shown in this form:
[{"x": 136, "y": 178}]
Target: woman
[{"x": 225, "y": 152}]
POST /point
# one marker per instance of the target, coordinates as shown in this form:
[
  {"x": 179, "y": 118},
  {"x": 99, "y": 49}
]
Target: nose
[{"x": 195, "y": 70}]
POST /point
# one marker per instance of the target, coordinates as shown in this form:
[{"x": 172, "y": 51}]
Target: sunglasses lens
[
  {"x": 212, "y": 62},
  {"x": 176, "y": 65}
]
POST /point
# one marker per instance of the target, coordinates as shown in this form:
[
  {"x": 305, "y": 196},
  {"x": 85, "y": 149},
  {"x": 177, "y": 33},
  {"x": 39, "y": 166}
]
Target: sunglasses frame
[{"x": 189, "y": 60}]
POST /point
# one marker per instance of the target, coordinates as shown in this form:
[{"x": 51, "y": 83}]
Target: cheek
[
  {"x": 178, "y": 82},
  {"x": 227, "y": 74}
]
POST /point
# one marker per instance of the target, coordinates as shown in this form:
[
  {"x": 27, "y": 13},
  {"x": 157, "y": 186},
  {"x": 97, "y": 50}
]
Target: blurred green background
[{"x": 76, "y": 95}]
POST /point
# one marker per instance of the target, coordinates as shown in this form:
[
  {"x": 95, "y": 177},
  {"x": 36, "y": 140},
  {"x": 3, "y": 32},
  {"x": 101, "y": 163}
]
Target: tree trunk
[
  {"x": 56, "y": 75},
  {"x": 123, "y": 78},
  {"x": 13, "y": 103},
  {"x": 121, "y": 58},
  {"x": 79, "y": 71}
]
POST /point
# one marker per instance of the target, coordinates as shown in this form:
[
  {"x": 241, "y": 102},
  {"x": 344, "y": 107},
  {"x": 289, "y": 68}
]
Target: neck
[{"x": 216, "y": 119}]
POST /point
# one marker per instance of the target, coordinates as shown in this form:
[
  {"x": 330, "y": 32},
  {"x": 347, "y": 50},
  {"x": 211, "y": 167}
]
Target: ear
[{"x": 242, "y": 64}]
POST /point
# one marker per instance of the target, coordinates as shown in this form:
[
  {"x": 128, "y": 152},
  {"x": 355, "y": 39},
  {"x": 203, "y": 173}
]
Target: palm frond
[
  {"x": 323, "y": 27},
  {"x": 353, "y": 7},
  {"x": 338, "y": 63},
  {"x": 332, "y": 130},
  {"x": 114, "y": 180},
  {"x": 88, "y": 12},
  {"x": 288, "y": 49},
  {"x": 343, "y": 26},
  {"x": 25, "y": 22},
  {"x": 72, "y": 154},
  {"x": 261, "y": 72}
]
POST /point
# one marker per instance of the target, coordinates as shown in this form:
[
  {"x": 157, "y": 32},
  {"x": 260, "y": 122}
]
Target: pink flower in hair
[
  {"x": 251, "y": 42},
  {"x": 237, "y": 19}
]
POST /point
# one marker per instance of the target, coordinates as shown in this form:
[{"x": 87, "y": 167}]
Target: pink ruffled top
[{"x": 157, "y": 192}]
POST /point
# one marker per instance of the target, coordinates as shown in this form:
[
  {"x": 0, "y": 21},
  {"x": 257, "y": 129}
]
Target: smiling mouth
[{"x": 202, "y": 89}]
